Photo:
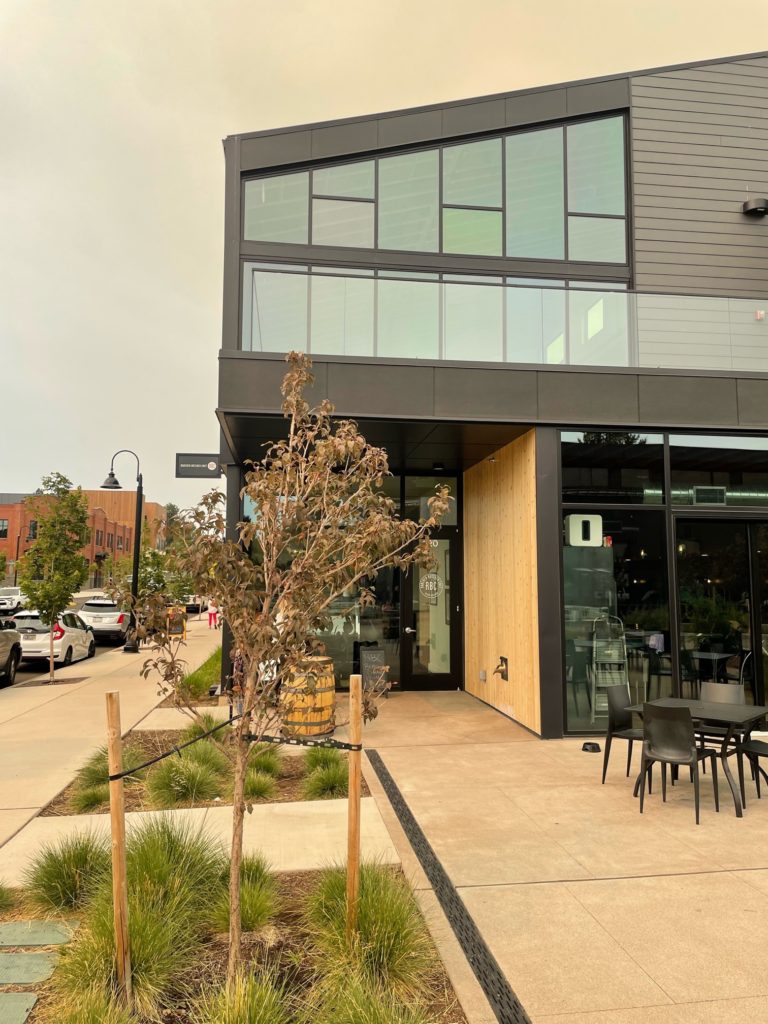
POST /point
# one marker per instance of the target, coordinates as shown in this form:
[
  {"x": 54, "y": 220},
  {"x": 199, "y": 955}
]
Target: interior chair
[
  {"x": 619, "y": 723},
  {"x": 668, "y": 738},
  {"x": 753, "y": 750}
]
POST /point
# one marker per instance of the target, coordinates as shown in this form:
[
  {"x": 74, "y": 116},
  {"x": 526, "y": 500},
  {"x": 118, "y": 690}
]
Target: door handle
[{"x": 408, "y": 630}]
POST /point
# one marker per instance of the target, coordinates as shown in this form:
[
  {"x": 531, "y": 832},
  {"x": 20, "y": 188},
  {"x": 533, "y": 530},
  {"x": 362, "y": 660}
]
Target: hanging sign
[{"x": 197, "y": 467}]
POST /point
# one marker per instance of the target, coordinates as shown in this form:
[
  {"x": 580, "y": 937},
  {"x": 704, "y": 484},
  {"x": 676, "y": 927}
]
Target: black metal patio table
[{"x": 732, "y": 716}]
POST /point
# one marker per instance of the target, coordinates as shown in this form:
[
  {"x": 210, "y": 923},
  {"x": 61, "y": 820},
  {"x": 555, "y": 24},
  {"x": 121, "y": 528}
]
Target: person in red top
[{"x": 213, "y": 615}]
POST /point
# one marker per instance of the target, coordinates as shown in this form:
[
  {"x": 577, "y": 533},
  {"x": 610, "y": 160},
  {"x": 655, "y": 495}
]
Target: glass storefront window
[
  {"x": 348, "y": 181},
  {"x": 475, "y": 232},
  {"x": 408, "y": 319},
  {"x": 596, "y": 166},
  {"x": 535, "y": 199},
  {"x": 472, "y": 174},
  {"x": 408, "y": 201},
  {"x": 277, "y": 209},
  {"x": 616, "y": 612},
  {"x": 275, "y": 320},
  {"x": 419, "y": 489},
  {"x": 342, "y": 315},
  {"x": 597, "y": 239},
  {"x": 342, "y": 222},
  {"x": 613, "y": 467},
  {"x": 719, "y": 471},
  {"x": 473, "y": 317}
]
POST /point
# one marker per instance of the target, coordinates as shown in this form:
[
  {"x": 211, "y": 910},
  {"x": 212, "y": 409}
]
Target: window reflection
[
  {"x": 276, "y": 209},
  {"x": 535, "y": 223},
  {"x": 612, "y": 466},
  {"x": 596, "y": 166},
  {"x": 616, "y": 613},
  {"x": 408, "y": 191},
  {"x": 712, "y": 470}
]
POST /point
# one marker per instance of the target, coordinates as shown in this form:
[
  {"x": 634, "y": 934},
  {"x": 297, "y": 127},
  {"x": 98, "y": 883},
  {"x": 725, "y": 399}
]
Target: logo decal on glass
[{"x": 431, "y": 587}]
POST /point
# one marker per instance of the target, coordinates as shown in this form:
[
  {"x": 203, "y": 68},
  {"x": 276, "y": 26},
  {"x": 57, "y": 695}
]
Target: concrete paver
[
  {"x": 26, "y": 968},
  {"x": 596, "y": 914},
  {"x": 15, "y": 1007},
  {"x": 36, "y": 933}
]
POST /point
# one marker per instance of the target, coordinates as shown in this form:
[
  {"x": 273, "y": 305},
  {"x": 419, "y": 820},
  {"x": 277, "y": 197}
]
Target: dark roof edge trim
[{"x": 529, "y": 91}]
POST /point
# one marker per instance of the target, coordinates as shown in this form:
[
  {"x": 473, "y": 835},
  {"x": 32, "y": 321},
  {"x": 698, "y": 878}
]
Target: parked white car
[
  {"x": 10, "y": 651},
  {"x": 12, "y": 600},
  {"x": 105, "y": 617},
  {"x": 72, "y": 638}
]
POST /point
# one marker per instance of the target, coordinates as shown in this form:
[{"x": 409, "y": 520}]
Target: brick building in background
[{"x": 110, "y": 519}]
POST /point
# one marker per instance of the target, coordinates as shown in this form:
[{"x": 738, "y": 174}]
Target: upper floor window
[
  {"x": 32, "y": 535},
  {"x": 554, "y": 193},
  {"x": 3, "y": 529}
]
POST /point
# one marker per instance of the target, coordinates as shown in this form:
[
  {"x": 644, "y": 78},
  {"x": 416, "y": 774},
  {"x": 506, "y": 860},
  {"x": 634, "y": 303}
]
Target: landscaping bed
[
  {"x": 297, "y": 962},
  {"x": 202, "y": 776}
]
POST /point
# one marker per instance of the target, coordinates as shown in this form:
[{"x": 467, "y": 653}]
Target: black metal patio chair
[
  {"x": 619, "y": 723},
  {"x": 668, "y": 738}
]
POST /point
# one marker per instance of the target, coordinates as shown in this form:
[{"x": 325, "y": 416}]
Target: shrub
[
  {"x": 351, "y": 1001},
  {"x": 95, "y": 771},
  {"x": 258, "y": 786},
  {"x": 89, "y": 798},
  {"x": 181, "y": 780},
  {"x": 327, "y": 783},
  {"x": 252, "y": 1000},
  {"x": 210, "y": 755},
  {"x": 65, "y": 874},
  {"x": 203, "y": 724},
  {"x": 175, "y": 862},
  {"x": 265, "y": 758},
  {"x": 322, "y": 757},
  {"x": 162, "y": 942},
  {"x": 391, "y": 948},
  {"x": 197, "y": 684},
  {"x": 257, "y": 906},
  {"x": 94, "y": 1007},
  {"x": 7, "y": 898}
]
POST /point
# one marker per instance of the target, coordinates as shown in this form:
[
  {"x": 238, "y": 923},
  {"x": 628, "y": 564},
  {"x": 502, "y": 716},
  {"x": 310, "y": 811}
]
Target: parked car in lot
[
  {"x": 106, "y": 618},
  {"x": 12, "y": 600},
  {"x": 195, "y": 602},
  {"x": 10, "y": 651},
  {"x": 72, "y": 638}
]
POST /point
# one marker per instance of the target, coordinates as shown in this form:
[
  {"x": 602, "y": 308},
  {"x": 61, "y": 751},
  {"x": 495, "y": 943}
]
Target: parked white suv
[
  {"x": 12, "y": 600},
  {"x": 106, "y": 618},
  {"x": 72, "y": 638},
  {"x": 10, "y": 651}
]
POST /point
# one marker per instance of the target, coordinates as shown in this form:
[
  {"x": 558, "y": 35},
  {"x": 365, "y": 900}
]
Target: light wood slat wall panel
[
  {"x": 699, "y": 149},
  {"x": 500, "y": 581}
]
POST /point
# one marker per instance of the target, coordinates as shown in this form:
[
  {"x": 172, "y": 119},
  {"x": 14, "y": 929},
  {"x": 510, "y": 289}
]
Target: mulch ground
[
  {"x": 282, "y": 945},
  {"x": 288, "y": 788}
]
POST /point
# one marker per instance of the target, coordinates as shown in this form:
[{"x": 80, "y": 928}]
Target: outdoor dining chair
[
  {"x": 619, "y": 723},
  {"x": 668, "y": 738}
]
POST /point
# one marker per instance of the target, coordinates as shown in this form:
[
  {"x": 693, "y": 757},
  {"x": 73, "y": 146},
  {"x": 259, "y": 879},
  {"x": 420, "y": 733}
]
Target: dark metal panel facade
[
  {"x": 699, "y": 150},
  {"x": 548, "y": 532}
]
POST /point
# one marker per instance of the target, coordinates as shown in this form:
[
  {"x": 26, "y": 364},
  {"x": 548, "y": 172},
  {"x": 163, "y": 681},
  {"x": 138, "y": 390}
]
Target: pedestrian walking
[{"x": 213, "y": 615}]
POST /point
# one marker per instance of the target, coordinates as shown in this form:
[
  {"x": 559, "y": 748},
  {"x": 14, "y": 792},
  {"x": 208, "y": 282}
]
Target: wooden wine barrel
[{"x": 309, "y": 698}]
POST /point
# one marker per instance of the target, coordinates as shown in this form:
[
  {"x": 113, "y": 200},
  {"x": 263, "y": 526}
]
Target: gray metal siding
[{"x": 699, "y": 149}]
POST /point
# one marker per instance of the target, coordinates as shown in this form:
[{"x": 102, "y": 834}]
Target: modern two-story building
[{"x": 555, "y": 299}]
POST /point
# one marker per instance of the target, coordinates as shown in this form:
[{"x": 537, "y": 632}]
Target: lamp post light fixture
[{"x": 112, "y": 484}]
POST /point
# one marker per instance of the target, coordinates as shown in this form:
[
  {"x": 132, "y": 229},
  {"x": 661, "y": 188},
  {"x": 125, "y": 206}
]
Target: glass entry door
[
  {"x": 430, "y": 619},
  {"x": 722, "y": 582}
]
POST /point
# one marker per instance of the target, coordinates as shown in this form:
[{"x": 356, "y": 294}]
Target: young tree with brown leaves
[{"x": 321, "y": 524}]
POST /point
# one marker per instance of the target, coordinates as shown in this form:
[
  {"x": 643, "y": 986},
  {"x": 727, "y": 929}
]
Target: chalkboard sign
[{"x": 373, "y": 662}]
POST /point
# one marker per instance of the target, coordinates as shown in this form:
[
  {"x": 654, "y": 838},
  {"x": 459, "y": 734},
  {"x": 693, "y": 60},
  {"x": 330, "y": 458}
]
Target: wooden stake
[
  {"x": 119, "y": 879},
  {"x": 353, "y": 830}
]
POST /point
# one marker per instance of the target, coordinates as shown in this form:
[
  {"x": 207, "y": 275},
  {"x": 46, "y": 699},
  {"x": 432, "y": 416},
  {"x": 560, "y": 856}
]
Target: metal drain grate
[{"x": 505, "y": 1004}]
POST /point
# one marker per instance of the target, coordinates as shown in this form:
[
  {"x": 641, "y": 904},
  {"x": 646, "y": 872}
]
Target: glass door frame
[
  {"x": 746, "y": 519},
  {"x": 453, "y": 680}
]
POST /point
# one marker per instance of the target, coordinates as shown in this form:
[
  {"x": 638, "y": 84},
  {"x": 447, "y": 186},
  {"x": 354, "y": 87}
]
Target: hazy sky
[{"x": 112, "y": 177}]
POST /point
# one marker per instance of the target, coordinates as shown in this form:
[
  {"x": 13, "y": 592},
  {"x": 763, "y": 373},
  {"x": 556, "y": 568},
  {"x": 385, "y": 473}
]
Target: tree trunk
[
  {"x": 238, "y": 818},
  {"x": 50, "y": 656}
]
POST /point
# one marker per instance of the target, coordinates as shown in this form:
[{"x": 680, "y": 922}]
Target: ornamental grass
[{"x": 65, "y": 874}]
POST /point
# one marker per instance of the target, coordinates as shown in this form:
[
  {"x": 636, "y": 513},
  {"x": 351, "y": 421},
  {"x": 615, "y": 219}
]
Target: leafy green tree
[
  {"x": 54, "y": 569},
  {"x": 3, "y": 566}
]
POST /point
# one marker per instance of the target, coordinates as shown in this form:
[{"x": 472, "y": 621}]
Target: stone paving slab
[
  {"x": 15, "y": 1007},
  {"x": 26, "y": 968},
  {"x": 35, "y": 933}
]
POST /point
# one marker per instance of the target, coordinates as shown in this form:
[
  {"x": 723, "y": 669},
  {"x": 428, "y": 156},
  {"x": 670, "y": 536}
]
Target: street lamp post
[{"x": 112, "y": 484}]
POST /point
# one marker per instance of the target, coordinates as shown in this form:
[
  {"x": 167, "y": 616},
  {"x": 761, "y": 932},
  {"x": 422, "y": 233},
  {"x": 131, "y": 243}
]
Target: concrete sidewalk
[
  {"x": 595, "y": 914},
  {"x": 48, "y": 732}
]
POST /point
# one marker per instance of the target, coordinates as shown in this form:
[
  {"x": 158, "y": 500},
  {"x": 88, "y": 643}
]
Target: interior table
[{"x": 732, "y": 716}]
